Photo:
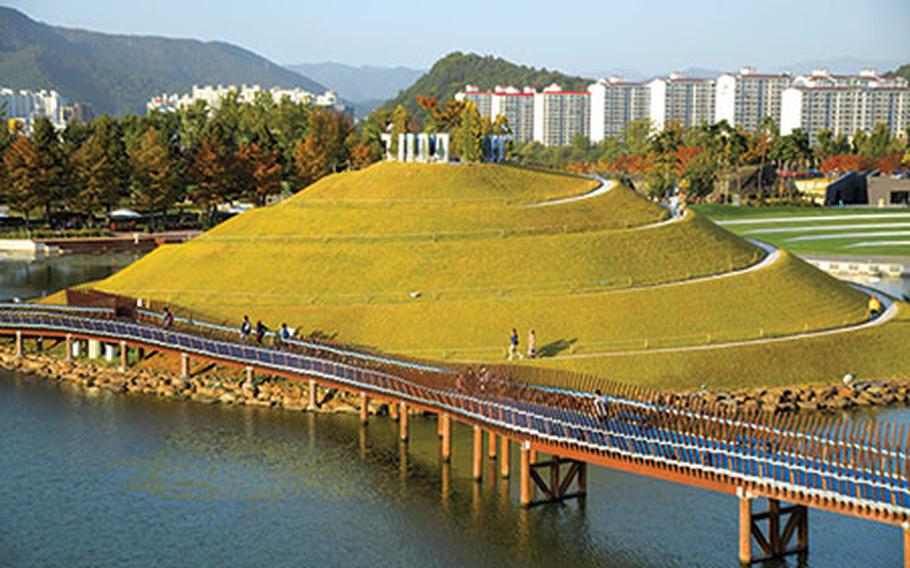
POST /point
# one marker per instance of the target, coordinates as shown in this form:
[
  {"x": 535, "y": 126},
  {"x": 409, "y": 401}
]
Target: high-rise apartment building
[
  {"x": 560, "y": 116},
  {"x": 615, "y": 103},
  {"x": 744, "y": 98},
  {"x": 688, "y": 102},
  {"x": 26, "y": 106},
  {"x": 214, "y": 94},
  {"x": 517, "y": 106},
  {"x": 845, "y": 104}
]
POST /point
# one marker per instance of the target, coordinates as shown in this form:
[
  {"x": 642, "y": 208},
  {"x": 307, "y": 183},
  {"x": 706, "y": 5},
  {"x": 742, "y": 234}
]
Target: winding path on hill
[
  {"x": 890, "y": 312},
  {"x": 605, "y": 186}
]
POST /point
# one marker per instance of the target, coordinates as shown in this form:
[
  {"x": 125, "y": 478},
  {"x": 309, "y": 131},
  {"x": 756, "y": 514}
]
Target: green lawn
[{"x": 824, "y": 231}]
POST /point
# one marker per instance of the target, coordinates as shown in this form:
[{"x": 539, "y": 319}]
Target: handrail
[{"x": 745, "y": 457}]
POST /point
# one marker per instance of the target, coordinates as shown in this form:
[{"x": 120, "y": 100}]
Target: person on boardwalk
[
  {"x": 246, "y": 328},
  {"x": 601, "y": 405},
  {"x": 532, "y": 344},
  {"x": 260, "y": 331},
  {"x": 168, "y": 320},
  {"x": 875, "y": 306},
  {"x": 284, "y": 334},
  {"x": 513, "y": 345}
]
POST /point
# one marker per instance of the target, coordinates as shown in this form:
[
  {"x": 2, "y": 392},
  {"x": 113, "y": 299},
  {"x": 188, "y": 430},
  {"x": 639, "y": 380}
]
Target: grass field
[
  {"x": 820, "y": 230},
  {"x": 442, "y": 261}
]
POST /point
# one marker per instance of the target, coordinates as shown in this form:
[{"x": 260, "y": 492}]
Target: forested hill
[
  {"x": 117, "y": 74},
  {"x": 902, "y": 71},
  {"x": 451, "y": 73}
]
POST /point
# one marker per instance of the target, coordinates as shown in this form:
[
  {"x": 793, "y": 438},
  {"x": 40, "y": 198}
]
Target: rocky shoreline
[{"x": 230, "y": 387}]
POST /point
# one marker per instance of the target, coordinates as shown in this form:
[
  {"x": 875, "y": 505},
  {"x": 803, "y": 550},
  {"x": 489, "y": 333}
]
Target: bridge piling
[
  {"x": 312, "y": 395},
  {"x": 124, "y": 355},
  {"x": 184, "y": 366},
  {"x": 249, "y": 375},
  {"x": 745, "y": 527},
  {"x": 393, "y": 412},
  {"x": 492, "y": 443},
  {"x": 364, "y": 409},
  {"x": 403, "y": 422},
  {"x": 445, "y": 423},
  {"x": 478, "y": 454},
  {"x": 906, "y": 529},
  {"x": 504, "y": 458},
  {"x": 94, "y": 349},
  {"x": 19, "y": 349},
  {"x": 69, "y": 348},
  {"x": 526, "y": 487}
]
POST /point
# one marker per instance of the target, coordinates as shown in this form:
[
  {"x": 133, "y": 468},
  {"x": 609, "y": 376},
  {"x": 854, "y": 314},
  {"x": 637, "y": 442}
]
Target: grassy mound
[{"x": 441, "y": 261}]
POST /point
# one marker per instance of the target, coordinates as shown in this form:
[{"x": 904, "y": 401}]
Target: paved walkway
[
  {"x": 605, "y": 186},
  {"x": 809, "y": 218}
]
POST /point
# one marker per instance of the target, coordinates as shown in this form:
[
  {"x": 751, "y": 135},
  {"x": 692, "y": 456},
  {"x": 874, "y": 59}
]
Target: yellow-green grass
[
  {"x": 389, "y": 271},
  {"x": 331, "y": 262}
]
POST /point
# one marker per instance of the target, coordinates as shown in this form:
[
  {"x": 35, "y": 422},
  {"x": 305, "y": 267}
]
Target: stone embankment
[
  {"x": 813, "y": 397},
  {"x": 221, "y": 386},
  {"x": 225, "y": 387}
]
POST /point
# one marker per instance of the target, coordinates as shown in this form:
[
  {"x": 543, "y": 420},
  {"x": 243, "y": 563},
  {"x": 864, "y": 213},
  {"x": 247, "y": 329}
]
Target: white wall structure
[
  {"x": 689, "y": 102},
  {"x": 560, "y": 116},
  {"x": 420, "y": 147},
  {"x": 615, "y": 103},
  {"x": 744, "y": 98},
  {"x": 845, "y": 104}
]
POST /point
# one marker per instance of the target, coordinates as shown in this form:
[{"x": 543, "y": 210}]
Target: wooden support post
[
  {"x": 445, "y": 423},
  {"x": 19, "y": 350},
  {"x": 492, "y": 443},
  {"x": 393, "y": 411},
  {"x": 69, "y": 347},
  {"x": 94, "y": 349},
  {"x": 504, "y": 457},
  {"x": 312, "y": 395},
  {"x": 745, "y": 526},
  {"x": 185, "y": 365},
  {"x": 364, "y": 409},
  {"x": 774, "y": 525},
  {"x": 533, "y": 456},
  {"x": 249, "y": 375},
  {"x": 527, "y": 489},
  {"x": 403, "y": 422},
  {"x": 478, "y": 453},
  {"x": 124, "y": 354}
]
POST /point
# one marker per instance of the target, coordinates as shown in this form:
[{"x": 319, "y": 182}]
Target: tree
[
  {"x": 637, "y": 137},
  {"x": 101, "y": 169},
  {"x": 467, "y": 137},
  {"x": 22, "y": 177},
  {"x": 156, "y": 174},
  {"x": 51, "y": 166},
  {"x": 363, "y": 154},
  {"x": 215, "y": 172},
  {"x": 400, "y": 124},
  {"x": 311, "y": 160},
  {"x": 261, "y": 172}
]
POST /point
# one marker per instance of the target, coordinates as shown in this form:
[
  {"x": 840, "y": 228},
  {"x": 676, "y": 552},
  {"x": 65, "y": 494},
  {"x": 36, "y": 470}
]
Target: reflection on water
[
  {"x": 24, "y": 278},
  {"x": 896, "y": 287}
]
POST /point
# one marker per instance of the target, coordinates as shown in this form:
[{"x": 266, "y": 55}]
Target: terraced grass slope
[{"x": 442, "y": 261}]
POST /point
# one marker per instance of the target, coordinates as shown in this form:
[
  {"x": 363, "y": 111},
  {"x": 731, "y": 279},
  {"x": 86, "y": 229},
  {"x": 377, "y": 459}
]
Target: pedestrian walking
[
  {"x": 246, "y": 328},
  {"x": 260, "y": 331},
  {"x": 532, "y": 344},
  {"x": 601, "y": 406},
  {"x": 875, "y": 306},
  {"x": 168, "y": 320},
  {"x": 513, "y": 345}
]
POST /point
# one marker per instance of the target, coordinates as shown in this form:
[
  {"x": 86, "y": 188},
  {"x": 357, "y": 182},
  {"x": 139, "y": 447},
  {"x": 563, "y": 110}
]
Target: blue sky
[{"x": 648, "y": 36}]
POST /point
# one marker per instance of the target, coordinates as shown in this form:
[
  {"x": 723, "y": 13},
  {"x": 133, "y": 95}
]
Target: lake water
[{"x": 124, "y": 481}]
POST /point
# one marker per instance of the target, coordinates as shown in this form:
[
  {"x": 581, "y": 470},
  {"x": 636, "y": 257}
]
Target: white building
[
  {"x": 689, "y": 102},
  {"x": 845, "y": 104},
  {"x": 614, "y": 103},
  {"x": 214, "y": 94},
  {"x": 26, "y": 106},
  {"x": 517, "y": 106},
  {"x": 560, "y": 116},
  {"x": 744, "y": 98}
]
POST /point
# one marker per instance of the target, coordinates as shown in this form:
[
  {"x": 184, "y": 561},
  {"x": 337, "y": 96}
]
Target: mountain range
[{"x": 117, "y": 74}]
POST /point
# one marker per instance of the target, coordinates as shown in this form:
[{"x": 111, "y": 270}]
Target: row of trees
[
  {"x": 200, "y": 155},
  {"x": 695, "y": 158}
]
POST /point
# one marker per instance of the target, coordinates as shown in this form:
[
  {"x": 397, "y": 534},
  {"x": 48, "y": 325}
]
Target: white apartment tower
[
  {"x": 615, "y": 103},
  {"x": 28, "y": 105},
  {"x": 689, "y": 102},
  {"x": 845, "y": 104},
  {"x": 560, "y": 116},
  {"x": 483, "y": 100},
  {"x": 518, "y": 109},
  {"x": 744, "y": 98}
]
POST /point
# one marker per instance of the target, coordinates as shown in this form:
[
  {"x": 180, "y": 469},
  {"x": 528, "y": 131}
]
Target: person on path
[
  {"x": 260, "y": 331},
  {"x": 875, "y": 306},
  {"x": 285, "y": 333},
  {"x": 246, "y": 328},
  {"x": 532, "y": 344},
  {"x": 168, "y": 320},
  {"x": 513, "y": 345},
  {"x": 601, "y": 405}
]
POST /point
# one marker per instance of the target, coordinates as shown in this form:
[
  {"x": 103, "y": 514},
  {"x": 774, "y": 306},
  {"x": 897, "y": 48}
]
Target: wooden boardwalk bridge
[{"x": 794, "y": 462}]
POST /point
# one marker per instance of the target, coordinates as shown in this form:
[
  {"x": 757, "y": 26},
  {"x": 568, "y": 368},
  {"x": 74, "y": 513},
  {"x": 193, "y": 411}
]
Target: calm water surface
[{"x": 113, "y": 480}]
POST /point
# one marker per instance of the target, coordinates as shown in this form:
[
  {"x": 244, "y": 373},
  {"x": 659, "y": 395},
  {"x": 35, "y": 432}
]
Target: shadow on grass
[{"x": 556, "y": 347}]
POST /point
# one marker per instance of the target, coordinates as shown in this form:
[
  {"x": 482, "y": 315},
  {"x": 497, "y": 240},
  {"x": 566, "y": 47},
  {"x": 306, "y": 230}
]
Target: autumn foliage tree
[
  {"x": 156, "y": 174},
  {"x": 101, "y": 169},
  {"x": 261, "y": 171},
  {"x": 22, "y": 177},
  {"x": 215, "y": 171}
]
